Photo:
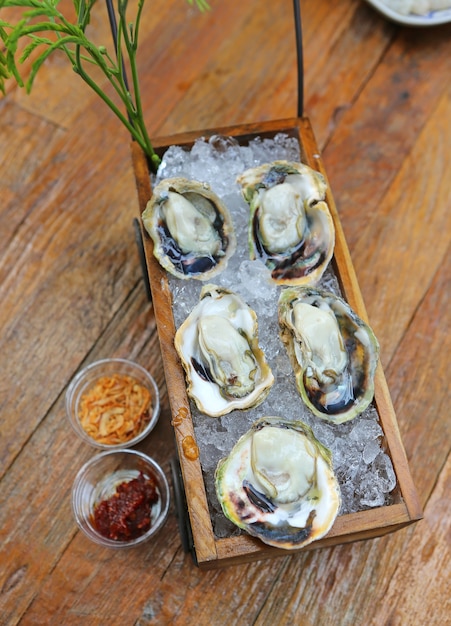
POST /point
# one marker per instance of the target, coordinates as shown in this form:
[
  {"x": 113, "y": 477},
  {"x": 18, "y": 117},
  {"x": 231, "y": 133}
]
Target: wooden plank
[
  {"x": 42, "y": 476},
  {"x": 342, "y": 49},
  {"x": 51, "y": 220},
  {"x": 412, "y": 228},
  {"x": 28, "y": 145},
  {"x": 254, "y": 75},
  {"x": 62, "y": 106},
  {"x": 418, "y": 377},
  {"x": 377, "y": 133},
  {"x": 423, "y": 567},
  {"x": 239, "y": 55}
]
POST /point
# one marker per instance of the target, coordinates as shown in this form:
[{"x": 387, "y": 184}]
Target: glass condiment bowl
[
  {"x": 87, "y": 378},
  {"x": 97, "y": 481}
]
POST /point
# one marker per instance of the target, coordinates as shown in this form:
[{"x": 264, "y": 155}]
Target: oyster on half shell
[
  {"x": 333, "y": 352},
  {"x": 191, "y": 228},
  {"x": 218, "y": 346},
  {"x": 278, "y": 484},
  {"x": 290, "y": 228}
]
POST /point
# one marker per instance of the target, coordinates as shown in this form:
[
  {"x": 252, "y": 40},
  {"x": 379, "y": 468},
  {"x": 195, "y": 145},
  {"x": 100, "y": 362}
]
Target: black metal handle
[
  {"x": 142, "y": 257},
  {"x": 181, "y": 509},
  {"x": 300, "y": 55}
]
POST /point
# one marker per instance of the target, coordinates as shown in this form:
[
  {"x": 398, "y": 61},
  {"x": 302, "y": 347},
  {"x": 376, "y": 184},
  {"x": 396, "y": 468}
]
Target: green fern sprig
[{"x": 44, "y": 30}]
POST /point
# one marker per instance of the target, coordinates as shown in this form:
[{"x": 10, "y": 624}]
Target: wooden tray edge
[
  {"x": 175, "y": 381},
  {"x": 347, "y": 528}
]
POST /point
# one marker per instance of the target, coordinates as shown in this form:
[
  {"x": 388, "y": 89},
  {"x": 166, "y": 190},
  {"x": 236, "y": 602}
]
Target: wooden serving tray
[{"x": 210, "y": 551}]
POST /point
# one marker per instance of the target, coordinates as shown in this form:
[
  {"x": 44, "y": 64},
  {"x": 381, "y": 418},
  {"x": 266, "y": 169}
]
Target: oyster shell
[
  {"x": 290, "y": 227},
  {"x": 191, "y": 228},
  {"x": 333, "y": 352},
  {"x": 218, "y": 347},
  {"x": 278, "y": 484}
]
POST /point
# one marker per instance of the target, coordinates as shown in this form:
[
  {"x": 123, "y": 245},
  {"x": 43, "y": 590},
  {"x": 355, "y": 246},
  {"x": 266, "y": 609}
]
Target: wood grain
[{"x": 71, "y": 291}]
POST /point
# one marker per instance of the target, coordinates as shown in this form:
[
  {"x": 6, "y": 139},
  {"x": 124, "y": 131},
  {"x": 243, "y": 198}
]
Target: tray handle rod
[{"x": 300, "y": 56}]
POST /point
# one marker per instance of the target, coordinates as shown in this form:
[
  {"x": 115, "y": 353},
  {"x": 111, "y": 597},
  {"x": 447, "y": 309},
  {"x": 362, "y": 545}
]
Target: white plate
[{"x": 430, "y": 19}]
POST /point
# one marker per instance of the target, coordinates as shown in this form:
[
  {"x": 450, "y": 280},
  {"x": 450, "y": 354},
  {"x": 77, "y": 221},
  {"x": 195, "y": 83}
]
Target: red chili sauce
[{"x": 127, "y": 513}]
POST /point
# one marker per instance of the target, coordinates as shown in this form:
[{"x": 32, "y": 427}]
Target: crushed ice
[{"x": 363, "y": 469}]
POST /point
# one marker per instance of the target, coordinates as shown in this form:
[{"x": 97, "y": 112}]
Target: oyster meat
[
  {"x": 191, "y": 228},
  {"x": 218, "y": 347},
  {"x": 278, "y": 484},
  {"x": 333, "y": 352},
  {"x": 290, "y": 226}
]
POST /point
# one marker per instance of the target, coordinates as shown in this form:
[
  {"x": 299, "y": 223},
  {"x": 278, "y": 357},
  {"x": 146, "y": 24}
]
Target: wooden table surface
[{"x": 71, "y": 291}]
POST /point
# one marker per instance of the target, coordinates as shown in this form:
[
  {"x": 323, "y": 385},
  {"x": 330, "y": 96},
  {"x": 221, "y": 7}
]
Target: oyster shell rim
[
  {"x": 364, "y": 399},
  {"x": 266, "y": 377},
  {"x": 151, "y": 216},
  {"x": 280, "y": 536},
  {"x": 315, "y": 208}
]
